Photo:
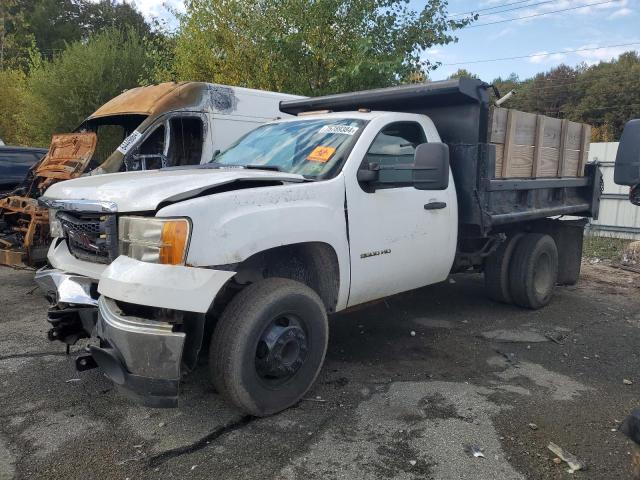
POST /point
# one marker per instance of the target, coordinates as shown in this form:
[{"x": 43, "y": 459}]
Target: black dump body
[{"x": 460, "y": 111}]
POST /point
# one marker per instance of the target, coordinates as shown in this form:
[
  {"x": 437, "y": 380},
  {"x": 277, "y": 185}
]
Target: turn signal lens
[
  {"x": 154, "y": 240},
  {"x": 175, "y": 234}
]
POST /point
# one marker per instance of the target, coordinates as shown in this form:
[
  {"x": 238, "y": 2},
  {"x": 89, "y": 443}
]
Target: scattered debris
[
  {"x": 574, "y": 463},
  {"x": 412, "y": 463},
  {"x": 413, "y": 333},
  {"x": 451, "y": 280},
  {"x": 555, "y": 337},
  {"x": 557, "y": 461},
  {"x": 510, "y": 357},
  {"x": 533, "y": 426},
  {"x": 139, "y": 456},
  {"x": 193, "y": 467},
  {"x": 72, "y": 380},
  {"x": 317, "y": 399},
  {"x": 477, "y": 452},
  {"x": 626, "y": 381},
  {"x": 162, "y": 424}
]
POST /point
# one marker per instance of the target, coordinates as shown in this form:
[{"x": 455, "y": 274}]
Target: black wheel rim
[{"x": 281, "y": 350}]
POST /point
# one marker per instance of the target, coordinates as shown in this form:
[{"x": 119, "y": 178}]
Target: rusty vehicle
[{"x": 144, "y": 128}]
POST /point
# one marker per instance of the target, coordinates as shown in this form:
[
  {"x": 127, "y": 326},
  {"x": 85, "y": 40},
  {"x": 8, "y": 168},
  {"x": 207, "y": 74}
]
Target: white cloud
[
  {"x": 623, "y": 12},
  {"x": 158, "y": 8},
  {"x": 545, "y": 57},
  {"x": 602, "y": 54}
]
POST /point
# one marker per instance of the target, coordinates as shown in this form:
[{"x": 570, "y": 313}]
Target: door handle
[{"x": 435, "y": 205}]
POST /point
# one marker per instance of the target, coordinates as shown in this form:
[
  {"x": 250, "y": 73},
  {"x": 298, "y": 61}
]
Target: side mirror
[
  {"x": 634, "y": 195},
  {"x": 627, "y": 169},
  {"x": 431, "y": 167},
  {"x": 368, "y": 175}
]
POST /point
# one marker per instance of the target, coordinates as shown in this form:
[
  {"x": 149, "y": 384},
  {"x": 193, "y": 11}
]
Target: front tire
[{"x": 269, "y": 345}]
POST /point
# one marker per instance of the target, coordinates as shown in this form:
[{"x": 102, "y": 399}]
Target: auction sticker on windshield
[
  {"x": 321, "y": 154},
  {"x": 128, "y": 142},
  {"x": 341, "y": 129}
]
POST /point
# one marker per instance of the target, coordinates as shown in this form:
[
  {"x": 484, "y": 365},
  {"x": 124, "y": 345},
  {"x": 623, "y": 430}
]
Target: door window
[
  {"x": 396, "y": 144},
  {"x": 185, "y": 147},
  {"x": 150, "y": 155}
]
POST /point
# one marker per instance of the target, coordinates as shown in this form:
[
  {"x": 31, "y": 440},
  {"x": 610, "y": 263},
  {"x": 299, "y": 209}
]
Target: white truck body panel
[
  {"x": 145, "y": 190},
  {"x": 232, "y": 226},
  {"x": 164, "y": 286},
  {"x": 390, "y": 232},
  {"x": 229, "y": 227}
]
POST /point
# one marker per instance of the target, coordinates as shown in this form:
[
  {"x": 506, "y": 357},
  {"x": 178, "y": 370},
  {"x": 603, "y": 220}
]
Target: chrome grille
[{"x": 90, "y": 236}]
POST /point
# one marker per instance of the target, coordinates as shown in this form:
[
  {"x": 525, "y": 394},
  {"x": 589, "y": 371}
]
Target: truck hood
[{"x": 146, "y": 190}]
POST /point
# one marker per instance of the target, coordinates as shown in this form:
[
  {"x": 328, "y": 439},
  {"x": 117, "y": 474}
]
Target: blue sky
[{"x": 612, "y": 23}]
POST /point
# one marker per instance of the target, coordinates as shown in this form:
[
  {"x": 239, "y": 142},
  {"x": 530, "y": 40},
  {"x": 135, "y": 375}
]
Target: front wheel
[{"x": 269, "y": 345}]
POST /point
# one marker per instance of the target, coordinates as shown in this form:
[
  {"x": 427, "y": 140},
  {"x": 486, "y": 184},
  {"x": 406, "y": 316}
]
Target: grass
[{"x": 604, "y": 248}]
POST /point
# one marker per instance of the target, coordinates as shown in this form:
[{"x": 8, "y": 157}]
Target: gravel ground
[{"x": 386, "y": 405}]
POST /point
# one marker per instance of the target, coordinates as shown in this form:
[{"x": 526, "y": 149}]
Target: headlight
[
  {"x": 154, "y": 240},
  {"x": 55, "y": 226}
]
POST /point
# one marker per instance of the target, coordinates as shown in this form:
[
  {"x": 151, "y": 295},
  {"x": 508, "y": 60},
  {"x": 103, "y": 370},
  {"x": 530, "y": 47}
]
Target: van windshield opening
[{"x": 310, "y": 147}]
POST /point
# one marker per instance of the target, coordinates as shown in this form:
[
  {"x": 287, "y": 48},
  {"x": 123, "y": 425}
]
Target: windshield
[{"x": 307, "y": 147}]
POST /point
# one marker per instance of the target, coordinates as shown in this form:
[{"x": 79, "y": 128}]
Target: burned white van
[{"x": 151, "y": 127}]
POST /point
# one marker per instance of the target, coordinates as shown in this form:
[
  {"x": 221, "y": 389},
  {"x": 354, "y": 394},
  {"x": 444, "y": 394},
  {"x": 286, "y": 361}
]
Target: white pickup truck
[{"x": 354, "y": 199}]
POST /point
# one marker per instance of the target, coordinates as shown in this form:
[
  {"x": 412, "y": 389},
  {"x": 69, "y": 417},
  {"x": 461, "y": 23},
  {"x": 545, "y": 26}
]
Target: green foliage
[
  {"x": 461, "y": 72},
  {"x": 65, "y": 90},
  {"x": 309, "y": 47},
  {"x": 13, "y": 85},
  {"x": 605, "y": 95},
  {"x": 607, "y": 248},
  {"x": 52, "y": 24}
]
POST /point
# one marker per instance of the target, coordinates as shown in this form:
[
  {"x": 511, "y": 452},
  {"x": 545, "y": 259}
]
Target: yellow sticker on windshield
[{"x": 321, "y": 154}]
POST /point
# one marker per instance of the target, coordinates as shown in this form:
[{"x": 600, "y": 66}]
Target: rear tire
[
  {"x": 496, "y": 270},
  {"x": 533, "y": 271},
  {"x": 269, "y": 345}
]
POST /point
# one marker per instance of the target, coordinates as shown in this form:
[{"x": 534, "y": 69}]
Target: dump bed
[{"x": 508, "y": 166}]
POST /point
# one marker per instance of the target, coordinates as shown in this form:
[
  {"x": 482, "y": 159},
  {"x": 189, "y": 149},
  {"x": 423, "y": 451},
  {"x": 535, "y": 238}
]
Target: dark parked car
[{"x": 15, "y": 162}]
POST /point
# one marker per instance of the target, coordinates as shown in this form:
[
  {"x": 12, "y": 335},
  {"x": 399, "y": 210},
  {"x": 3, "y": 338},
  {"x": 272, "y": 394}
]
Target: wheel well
[{"x": 313, "y": 263}]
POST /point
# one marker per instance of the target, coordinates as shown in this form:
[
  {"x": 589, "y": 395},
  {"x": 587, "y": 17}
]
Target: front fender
[{"x": 230, "y": 227}]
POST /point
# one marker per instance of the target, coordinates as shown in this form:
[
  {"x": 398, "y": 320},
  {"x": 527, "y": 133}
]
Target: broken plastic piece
[
  {"x": 574, "y": 463},
  {"x": 477, "y": 452}
]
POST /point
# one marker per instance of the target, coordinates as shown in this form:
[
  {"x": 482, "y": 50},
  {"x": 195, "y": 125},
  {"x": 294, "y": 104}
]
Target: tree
[
  {"x": 14, "y": 38},
  {"x": 49, "y": 25},
  {"x": 461, "y": 72},
  {"x": 13, "y": 85},
  {"x": 309, "y": 47},
  {"x": 65, "y": 90},
  {"x": 607, "y": 95}
]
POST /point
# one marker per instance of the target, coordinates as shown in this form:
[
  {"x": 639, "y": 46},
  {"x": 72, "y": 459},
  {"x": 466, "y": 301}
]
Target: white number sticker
[
  {"x": 341, "y": 129},
  {"x": 128, "y": 142}
]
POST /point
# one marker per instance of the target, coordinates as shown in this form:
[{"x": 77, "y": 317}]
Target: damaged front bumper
[
  {"x": 149, "y": 321},
  {"x": 74, "y": 299},
  {"x": 141, "y": 356}
]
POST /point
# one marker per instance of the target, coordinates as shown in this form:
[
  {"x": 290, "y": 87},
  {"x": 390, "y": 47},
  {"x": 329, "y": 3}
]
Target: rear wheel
[
  {"x": 533, "y": 271},
  {"x": 269, "y": 345},
  {"x": 496, "y": 270}
]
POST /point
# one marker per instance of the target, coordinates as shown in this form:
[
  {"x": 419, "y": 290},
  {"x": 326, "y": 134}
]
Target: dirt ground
[{"x": 386, "y": 405}]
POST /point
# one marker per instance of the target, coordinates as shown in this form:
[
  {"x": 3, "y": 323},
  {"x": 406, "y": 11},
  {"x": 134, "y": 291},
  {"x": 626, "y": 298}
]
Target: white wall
[{"x": 618, "y": 217}]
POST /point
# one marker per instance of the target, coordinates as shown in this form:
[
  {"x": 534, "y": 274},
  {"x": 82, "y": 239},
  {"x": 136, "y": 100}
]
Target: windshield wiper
[{"x": 273, "y": 168}]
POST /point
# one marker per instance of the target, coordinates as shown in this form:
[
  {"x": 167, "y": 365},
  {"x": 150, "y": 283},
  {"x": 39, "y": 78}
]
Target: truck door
[{"x": 400, "y": 238}]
